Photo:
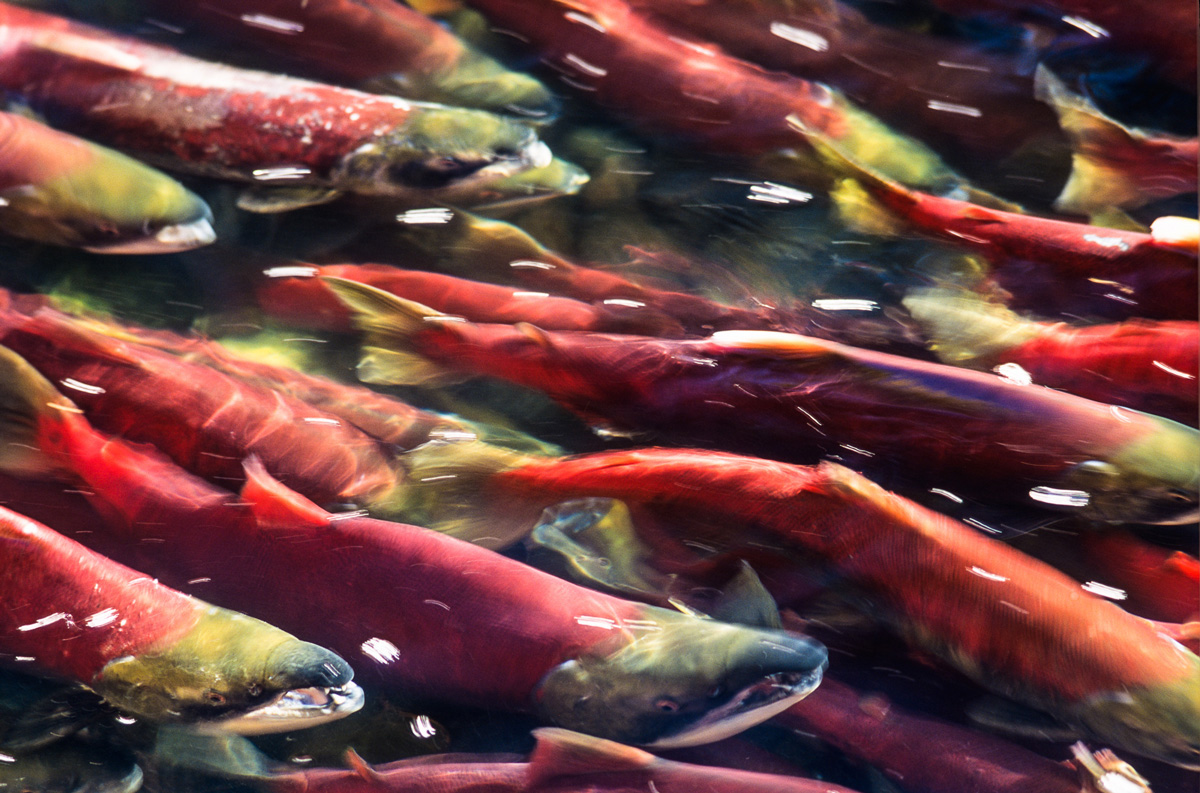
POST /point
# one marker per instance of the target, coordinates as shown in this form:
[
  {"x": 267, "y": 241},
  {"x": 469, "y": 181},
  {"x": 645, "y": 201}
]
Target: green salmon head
[
  {"x": 681, "y": 681},
  {"x": 1162, "y": 722},
  {"x": 233, "y": 673},
  {"x": 444, "y": 152},
  {"x": 113, "y": 204},
  {"x": 1155, "y": 479}
]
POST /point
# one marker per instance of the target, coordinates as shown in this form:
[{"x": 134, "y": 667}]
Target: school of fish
[{"x": 599, "y": 396}]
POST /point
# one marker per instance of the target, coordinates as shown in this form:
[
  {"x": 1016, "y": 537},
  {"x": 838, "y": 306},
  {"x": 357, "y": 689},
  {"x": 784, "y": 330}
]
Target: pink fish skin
[{"x": 205, "y": 420}]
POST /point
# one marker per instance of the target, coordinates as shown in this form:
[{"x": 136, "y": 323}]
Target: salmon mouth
[
  {"x": 754, "y": 704},
  {"x": 168, "y": 239},
  {"x": 294, "y": 709}
]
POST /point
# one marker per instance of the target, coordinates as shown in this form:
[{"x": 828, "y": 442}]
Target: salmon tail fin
[
  {"x": 965, "y": 328},
  {"x": 391, "y": 325},
  {"x": 447, "y": 488},
  {"x": 29, "y": 407},
  {"x": 1094, "y": 185},
  {"x": 562, "y": 753}
]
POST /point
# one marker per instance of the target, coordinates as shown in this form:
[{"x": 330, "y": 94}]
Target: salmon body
[
  {"x": 798, "y": 399},
  {"x": 206, "y": 421},
  {"x": 1008, "y": 621},
  {"x": 250, "y": 126}
]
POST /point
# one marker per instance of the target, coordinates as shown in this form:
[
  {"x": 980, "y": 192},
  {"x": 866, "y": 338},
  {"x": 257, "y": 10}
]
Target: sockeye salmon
[
  {"x": 1051, "y": 266},
  {"x": 301, "y": 142},
  {"x": 668, "y": 83},
  {"x": 1008, "y": 621},
  {"x": 60, "y": 189},
  {"x": 796, "y": 398},
  {"x": 153, "y": 652},
  {"x": 1142, "y": 364},
  {"x": 207, "y": 421},
  {"x": 437, "y": 618},
  {"x": 381, "y": 44}
]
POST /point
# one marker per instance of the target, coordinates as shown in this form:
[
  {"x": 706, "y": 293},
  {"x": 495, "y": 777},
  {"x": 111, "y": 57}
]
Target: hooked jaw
[
  {"x": 168, "y": 239},
  {"x": 233, "y": 674},
  {"x": 682, "y": 681}
]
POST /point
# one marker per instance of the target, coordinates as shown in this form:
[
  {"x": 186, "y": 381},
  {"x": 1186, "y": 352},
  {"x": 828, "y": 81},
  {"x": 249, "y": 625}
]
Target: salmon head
[
  {"x": 681, "y": 680},
  {"x": 1155, "y": 479},
  {"x": 442, "y": 151},
  {"x": 233, "y": 674}
]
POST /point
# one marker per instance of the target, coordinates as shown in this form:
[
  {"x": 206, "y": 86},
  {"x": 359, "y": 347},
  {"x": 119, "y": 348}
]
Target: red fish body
[
  {"x": 437, "y": 619},
  {"x": 796, "y": 398},
  {"x": 1007, "y": 620},
  {"x": 1052, "y": 265},
  {"x": 671, "y": 84},
  {"x": 305, "y": 300},
  {"x": 1142, "y": 364},
  {"x": 562, "y": 762},
  {"x": 930, "y": 755},
  {"x": 206, "y": 421},
  {"x": 937, "y": 89},
  {"x": 69, "y": 612},
  {"x": 250, "y": 126},
  {"x": 359, "y": 40}
]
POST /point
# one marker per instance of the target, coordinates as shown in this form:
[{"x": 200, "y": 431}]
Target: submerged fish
[
  {"x": 1113, "y": 165},
  {"x": 1010, "y": 622},
  {"x": 574, "y": 658},
  {"x": 152, "y": 652},
  {"x": 205, "y": 420},
  {"x": 1047, "y": 264},
  {"x": 302, "y": 142},
  {"x": 382, "y": 43},
  {"x": 797, "y": 398},
  {"x": 668, "y": 83},
  {"x": 67, "y": 768},
  {"x": 1142, "y": 364},
  {"x": 561, "y": 761},
  {"x": 60, "y": 189}
]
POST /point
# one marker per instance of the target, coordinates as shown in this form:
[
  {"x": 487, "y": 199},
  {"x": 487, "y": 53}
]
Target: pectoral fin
[{"x": 271, "y": 200}]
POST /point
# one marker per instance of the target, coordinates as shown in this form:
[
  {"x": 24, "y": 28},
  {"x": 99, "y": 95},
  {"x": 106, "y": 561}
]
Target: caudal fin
[
  {"x": 448, "y": 487},
  {"x": 390, "y": 325},
  {"x": 965, "y": 328},
  {"x": 28, "y": 406}
]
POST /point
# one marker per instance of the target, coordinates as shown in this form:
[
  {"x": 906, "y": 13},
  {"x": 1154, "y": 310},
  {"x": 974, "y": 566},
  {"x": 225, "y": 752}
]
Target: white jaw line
[
  {"x": 169, "y": 239},
  {"x": 719, "y": 728},
  {"x": 292, "y": 710}
]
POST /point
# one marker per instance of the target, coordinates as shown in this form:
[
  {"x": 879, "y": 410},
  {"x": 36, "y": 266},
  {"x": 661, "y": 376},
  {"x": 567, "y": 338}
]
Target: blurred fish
[
  {"x": 1162, "y": 33},
  {"x": 668, "y": 83},
  {"x": 1006, "y": 620},
  {"x": 300, "y": 142},
  {"x": 561, "y": 761},
  {"x": 69, "y": 768},
  {"x": 296, "y": 295},
  {"x": 152, "y": 652},
  {"x": 62, "y": 190},
  {"x": 574, "y": 658},
  {"x": 207, "y": 421},
  {"x": 1114, "y": 165},
  {"x": 385, "y": 45},
  {"x": 797, "y": 398},
  {"x": 1142, "y": 364},
  {"x": 1043, "y": 262},
  {"x": 946, "y": 91}
]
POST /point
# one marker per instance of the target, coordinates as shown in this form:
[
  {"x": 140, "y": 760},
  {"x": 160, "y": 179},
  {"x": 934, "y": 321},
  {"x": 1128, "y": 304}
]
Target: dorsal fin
[
  {"x": 361, "y": 767},
  {"x": 275, "y": 504},
  {"x": 773, "y": 341},
  {"x": 561, "y": 753}
]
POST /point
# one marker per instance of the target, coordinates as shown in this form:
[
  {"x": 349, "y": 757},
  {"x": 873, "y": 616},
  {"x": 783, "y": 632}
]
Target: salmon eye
[
  {"x": 214, "y": 698},
  {"x": 667, "y": 705},
  {"x": 254, "y": 690},
  {"x": 715, "y": 692}
]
